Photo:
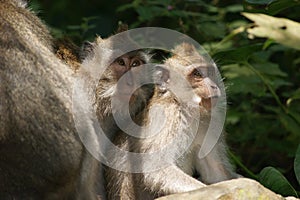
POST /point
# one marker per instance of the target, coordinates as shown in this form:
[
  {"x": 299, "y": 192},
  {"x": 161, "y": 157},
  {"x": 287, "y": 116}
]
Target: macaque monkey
[
  {"x": 110, "y": 83},
  {"x": 103, "y": 86},
  {"x": 41, "y": 154},
  {"x": 97, "y": 54},
  {"x": 174, "y": 150}
]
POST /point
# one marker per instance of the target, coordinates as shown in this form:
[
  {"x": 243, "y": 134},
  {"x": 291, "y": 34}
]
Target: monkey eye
[
  {"x": 121, "y": 62},
  {"x": 197, "y": 73},
  {"x": 136, "y": 63}
]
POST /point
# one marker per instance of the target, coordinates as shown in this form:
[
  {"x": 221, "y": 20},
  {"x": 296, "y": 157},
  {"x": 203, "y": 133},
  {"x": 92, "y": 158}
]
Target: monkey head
[
  {"x": 199, "y": 75},
  {"x": 120, "y": 74}
]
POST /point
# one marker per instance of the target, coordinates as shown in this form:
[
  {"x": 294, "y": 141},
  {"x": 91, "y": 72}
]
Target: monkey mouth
[{"x": 209, "y": 103}]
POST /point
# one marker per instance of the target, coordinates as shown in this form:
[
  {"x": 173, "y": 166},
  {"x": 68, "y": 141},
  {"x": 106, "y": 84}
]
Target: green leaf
[
  {"x": 268, "y": 43},
  {"x": 235, "y": 8},
  {"x": 270, "y": 7},
  {"x": 237, "y": 55},
  {"x": 272, "y": 73},
  {"x": 295, "y": 115},
  {"x": 289, "y": 123},
  {"x": 259, "y": 2},
  {"x": 147, "y": 13},
  {"x": 296, "y": 95},
  {"x": 125, "y": 7},
  {"x": 268, "y": 68},
  {"x": 247, "y": 85},
  {"x": 213, "y": 29},
  {"x": 235, "y": 71},
  {"x": 297, "y": 164},
  {"x": 274, "y": 180},
  {"x": 278, "y": 5}
]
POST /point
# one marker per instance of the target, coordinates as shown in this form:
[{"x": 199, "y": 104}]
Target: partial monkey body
[
  {"x": 42, "y": 156},
  {"x": 177, "y": 120}
]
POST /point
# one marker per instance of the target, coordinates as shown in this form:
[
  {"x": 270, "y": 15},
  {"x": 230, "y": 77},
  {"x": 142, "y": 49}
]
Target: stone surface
[{"x": 236, "y": 189}]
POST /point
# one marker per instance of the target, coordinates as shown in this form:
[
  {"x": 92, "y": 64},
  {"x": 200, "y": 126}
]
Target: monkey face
[
  {"x": 199, "y": 72},
  {"x": 126, "y": 76},
  {"x": 123, "y": 64},
  {"x": 207, "y": 92},
  {"x": 197, "y": 79},
  {"x": 119, "y": 85}
]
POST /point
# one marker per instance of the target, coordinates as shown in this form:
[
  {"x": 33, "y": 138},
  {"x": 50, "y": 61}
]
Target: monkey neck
[
  {"x": 164, "y": 108},
  {"x": 164, "y": 120},
  {"x": 107, "y": 115},
  {"x": 187, "y": 117}
]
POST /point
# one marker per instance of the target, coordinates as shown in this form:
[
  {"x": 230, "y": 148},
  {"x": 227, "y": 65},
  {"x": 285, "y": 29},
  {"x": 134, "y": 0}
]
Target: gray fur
[{"x": 42, "y": 156}]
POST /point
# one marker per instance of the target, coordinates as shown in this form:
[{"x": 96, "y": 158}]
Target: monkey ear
[
  {"x": 122, "y": 27},
  {"x": 161, "y": 77},
  {"x": 21, "y": 3},
  {"x": 98, "y": 40},
  {"x": 86, "y": 49},
  {"x": 185, "y": 49}
]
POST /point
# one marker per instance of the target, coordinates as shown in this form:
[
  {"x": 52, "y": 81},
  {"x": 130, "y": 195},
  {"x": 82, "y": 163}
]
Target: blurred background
[{"x": 262, "y": 76}]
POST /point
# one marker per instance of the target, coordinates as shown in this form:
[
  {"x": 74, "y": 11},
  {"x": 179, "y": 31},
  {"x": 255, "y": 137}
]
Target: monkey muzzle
[{"x": 209, "y": 103}]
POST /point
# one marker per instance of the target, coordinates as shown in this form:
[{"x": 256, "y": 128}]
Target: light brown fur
[
  {"x": 100, "y": 54},
  {"x": 102, "y": 87},
  {"x": 68, "y": 52},
  {"x": 177, "y": 175}
]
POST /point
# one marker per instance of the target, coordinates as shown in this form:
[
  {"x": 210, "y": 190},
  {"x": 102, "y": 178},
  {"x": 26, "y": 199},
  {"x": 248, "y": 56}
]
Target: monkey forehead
[
  {"x": 103, "y": 44},
  {"x": 188, "y": 61},
  {"x": 136, "y": 53},
  {"x": 120, "y": 42},
  {"x": 104, "y": 51},
  {"x": 185, "y": 49}
]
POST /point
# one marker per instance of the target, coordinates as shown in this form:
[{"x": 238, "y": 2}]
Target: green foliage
[
  {"x": 80, "y": 31},
  {"x": 297, "y": 164},
  {"x": 238, "y": 55},
  {"x": 273, "y": 179},
  {"x": 270, "y": 7},
  {"x": 262, "y": 76}
]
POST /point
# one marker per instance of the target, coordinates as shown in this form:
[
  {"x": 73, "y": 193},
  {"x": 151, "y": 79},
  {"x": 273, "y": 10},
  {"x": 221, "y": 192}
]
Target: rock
[{"x": 236, "y": 189}]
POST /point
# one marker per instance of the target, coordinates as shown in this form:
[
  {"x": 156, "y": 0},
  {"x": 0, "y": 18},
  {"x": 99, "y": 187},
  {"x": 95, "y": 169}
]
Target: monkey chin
[
  {"x": 208, "y": 104},
  {"x": 205, "y": 104}
]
